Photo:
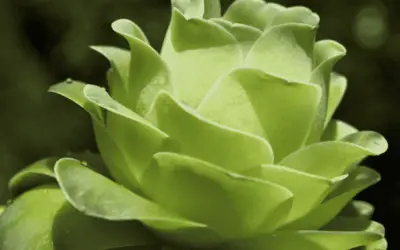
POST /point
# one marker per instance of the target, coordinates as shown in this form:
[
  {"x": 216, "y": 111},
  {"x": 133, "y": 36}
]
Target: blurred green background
[{"x": 45, "y": 41}]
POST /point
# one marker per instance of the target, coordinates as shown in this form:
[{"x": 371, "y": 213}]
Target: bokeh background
[{"x": 45, "y": 41}]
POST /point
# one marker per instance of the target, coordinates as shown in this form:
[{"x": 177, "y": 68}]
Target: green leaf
[
  {"x": 310, "y": 240},
  {"x": 36, "y": 174},
  {"x": 359, "y": 179},
  {"x": 231, "y": 149},
  {"x": 244, "y": 34},
  {"x": 340, "y": 223},
  {"x": 234, "y": 205},
  {"x": 148, "y": 74},
  {"x": 252, "y": 101},
  {"x": 358, "y": 209},
  {"x": 359, "y": 224},
  {"x": 114, "y": 158},
  {"x": 112, "y": 154},
  {"x": 333, "y": 158},
  {"x": 215, "y": 56},
  {"x": 99, "y": 197},
  {"x": 136, "y": 137},
  {"x": 74, "y": 230},
  {"x": 337, "y": 88},
  {"x": 119, "y": 81},
  {"x": 337, "y": 130},
  {"x": 326, "y": 54},
  {"x": 30, "y": 216},
  {"x": 254, "y": 13},
  {"x": 308, "y": 190},
  {"x": 296, "y": 14},
  {"x": 198, "y": 8},
  {"x": 290, "y": 60},
  {"x": 73, "y": 90}
]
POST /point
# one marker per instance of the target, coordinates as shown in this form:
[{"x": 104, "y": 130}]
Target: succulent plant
[{"x": 224, "y": 140}]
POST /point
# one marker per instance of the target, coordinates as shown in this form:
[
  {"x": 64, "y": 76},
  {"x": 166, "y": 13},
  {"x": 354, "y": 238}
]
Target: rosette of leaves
[{"x": 222, "y": 141}]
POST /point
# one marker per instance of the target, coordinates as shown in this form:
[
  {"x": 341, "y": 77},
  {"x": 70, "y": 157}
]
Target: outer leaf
[
  {"x": 40, "y": 172},
  {"x": 110, "y": 151},
  {"x": 148, "y": 74},
  {"x": 74, "y": 230},
  {"x": 334, "y": 158},
  {"x": 358, "y": 209},
  {"x": 326, "y": 54},
  {"x": 232, "y": 149},
  {"x": 120, "y": 61},
  {"x": 185, "y": 44},
  {"x": 337, "y": 88},
  {"x": 310, "y": 240},
  {"x": 360, "y": 179},
  {"x": 136, "y": 137},
  {"x": 297, "y": 14},
  {"x": 99, "y": 197},
  {"x": 341, "y": 223},
  {"x": 30, "y": 216},
  {"x": 337, "y": 130},
  {"x": 73, "y": 90},
  {"x": 291, "y": 59},
  {"x": 234, "y": 205},
  {"x": 308, "y": 190},
  {"x": 252, "y": 101},
  {"x": 254, "y": 13},
  {"x": 198, "y": 8}
]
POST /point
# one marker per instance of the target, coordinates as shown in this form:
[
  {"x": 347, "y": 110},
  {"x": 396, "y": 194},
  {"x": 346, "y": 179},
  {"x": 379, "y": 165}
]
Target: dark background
[{"x": 45, "y": 41}]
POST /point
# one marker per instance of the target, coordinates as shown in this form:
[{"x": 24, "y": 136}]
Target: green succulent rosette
[{"x": 222, "y": 141}]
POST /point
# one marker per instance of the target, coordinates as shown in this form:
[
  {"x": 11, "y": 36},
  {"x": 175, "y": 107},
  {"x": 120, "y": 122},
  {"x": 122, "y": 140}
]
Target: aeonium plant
[{"x": 223, "y": 141}]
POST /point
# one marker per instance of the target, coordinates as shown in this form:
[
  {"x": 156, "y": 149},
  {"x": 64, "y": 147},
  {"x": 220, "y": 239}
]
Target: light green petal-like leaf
[
  {"x": 358, "y": 209},
  {"x": 326, "y": 54},
  {"x": 333, "y": 158},
  {"x": 310, "y": 240},
  {"x": 360, "y": 224},
  {"x": 340, "y": 223},
  {"x": 97, "y": 196},
  {"x": 359, "y": 179},
  {"x": 38, "y": 173},
  {"x": 26, "y": 223},
  {"x": 135, "y": 136},
  {"x": 337, "y": 130},
  {"x": 308, "y": 190},
  {"x": 41, "y": 172},
  {"x": 234, "y": 205},
  {"x": 120, "y": 61},
  {"x": 231, "y": 149},
  {"x": 114, "y": 158},
  {"x": 198, "y": 8},
  {"x": 244, "y": 34},
  {"x": 296, "y": 14},
  {"x": 377, "y": 245},
  {"x": 2, "y": 209},
  {"x": 252, "y": 101},
  {"x": 148, "y": 73},
  {"x": 285, "y": 51},
  {"x": 337, "y": 88},
  {"x": 111, "y": 152},
  {"x": 74, "y": 230},
  {"x": 196, "y": 63},
  {"x": 73, "y": 90},
  {"x": 254, "y": 13}
]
